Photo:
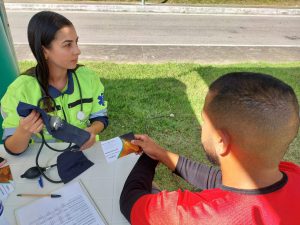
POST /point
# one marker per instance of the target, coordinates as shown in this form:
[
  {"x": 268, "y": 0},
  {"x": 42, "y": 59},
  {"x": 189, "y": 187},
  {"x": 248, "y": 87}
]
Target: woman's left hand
[{"x": 89, "y": 143}]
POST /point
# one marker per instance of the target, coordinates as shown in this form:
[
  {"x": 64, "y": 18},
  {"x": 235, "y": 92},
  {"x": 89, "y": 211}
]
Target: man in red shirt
[{"x": 249, "y": 120}]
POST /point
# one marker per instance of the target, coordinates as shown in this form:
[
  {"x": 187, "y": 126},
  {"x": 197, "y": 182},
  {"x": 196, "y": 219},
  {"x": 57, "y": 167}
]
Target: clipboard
[
  {"x": 93, "y": 202},
  {"x": 75, "y": 205}
]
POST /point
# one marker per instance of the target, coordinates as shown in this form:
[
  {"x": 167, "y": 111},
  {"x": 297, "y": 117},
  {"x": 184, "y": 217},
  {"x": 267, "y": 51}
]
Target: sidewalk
[
  {"x": 183, "y": 54},
  {"x": 148, "y": 8}
]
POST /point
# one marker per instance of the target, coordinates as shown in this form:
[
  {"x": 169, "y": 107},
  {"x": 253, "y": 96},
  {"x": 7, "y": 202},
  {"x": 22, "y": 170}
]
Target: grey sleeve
[{"x": 198, "y": 174}]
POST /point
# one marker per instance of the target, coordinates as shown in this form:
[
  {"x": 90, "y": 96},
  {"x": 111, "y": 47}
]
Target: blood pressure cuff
[
  {"x": 66, "y": 133},
  {"x": 71, "y": 164}
]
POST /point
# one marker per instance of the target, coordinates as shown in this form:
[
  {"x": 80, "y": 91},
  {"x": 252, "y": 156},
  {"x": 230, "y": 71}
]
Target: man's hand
[
  {"x": 156, "y": 152},
  {"x": 89, "y": 143},
  {"x": 31, "y": 124},
  {"x": 149, "y": 146}
]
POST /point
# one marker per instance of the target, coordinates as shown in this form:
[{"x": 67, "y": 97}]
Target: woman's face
[{"x": 63, "y": 51}]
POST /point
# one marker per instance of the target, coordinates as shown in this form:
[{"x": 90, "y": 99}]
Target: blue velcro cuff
[
  {"x": 66, "y": 133},
  {"x": 71, "y": 164}
]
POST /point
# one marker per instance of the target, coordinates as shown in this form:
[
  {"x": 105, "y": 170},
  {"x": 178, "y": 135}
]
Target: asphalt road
[{"x": 175, "y": 37}]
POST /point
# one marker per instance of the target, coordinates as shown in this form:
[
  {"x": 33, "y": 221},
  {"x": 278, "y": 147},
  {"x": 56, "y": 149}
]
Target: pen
[
  {"x": 40, "y": 181},
  {"x": 39, "y": 195}
]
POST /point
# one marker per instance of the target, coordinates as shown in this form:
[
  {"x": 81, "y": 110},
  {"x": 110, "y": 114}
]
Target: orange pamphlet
[
  {"x": 119, "y": 146},
  {"x": 5, "y": 174}
]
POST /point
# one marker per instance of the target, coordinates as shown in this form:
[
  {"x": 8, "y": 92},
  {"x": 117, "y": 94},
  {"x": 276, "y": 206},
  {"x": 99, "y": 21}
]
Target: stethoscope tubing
[{"x": 44, "y": 142}]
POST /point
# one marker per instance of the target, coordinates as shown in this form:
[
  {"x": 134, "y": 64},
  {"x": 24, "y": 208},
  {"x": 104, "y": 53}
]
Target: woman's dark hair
[{"x": 41, "y": 31}]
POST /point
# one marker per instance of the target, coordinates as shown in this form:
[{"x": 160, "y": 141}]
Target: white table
[{"x": 103, "y": 181}]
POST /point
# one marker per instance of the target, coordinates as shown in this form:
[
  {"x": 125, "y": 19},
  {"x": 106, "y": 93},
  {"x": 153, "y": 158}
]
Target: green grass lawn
[{"x": 142, "y": 96}]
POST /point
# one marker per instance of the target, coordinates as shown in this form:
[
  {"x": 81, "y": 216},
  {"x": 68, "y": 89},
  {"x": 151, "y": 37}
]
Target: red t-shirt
[{"x": 221, "y": 206}]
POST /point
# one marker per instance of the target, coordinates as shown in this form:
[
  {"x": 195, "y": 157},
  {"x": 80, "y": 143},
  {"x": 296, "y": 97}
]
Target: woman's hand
[
  {"x": 32, "y": 123},
  {"x": 89, "y": 143},
  {"x": 95, "y": 128}
]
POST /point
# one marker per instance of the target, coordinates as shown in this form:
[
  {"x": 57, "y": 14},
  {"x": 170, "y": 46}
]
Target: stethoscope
[
  {"x": 36, "y": 171},
  {"x": 80, "y": 114}
]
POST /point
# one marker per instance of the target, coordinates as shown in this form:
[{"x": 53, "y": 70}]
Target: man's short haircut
[{"x": 253, "y": 104}]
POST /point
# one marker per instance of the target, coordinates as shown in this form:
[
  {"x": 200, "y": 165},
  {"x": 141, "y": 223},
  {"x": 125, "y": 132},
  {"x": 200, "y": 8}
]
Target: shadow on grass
[
  {"x": 159, "y": 108},
  {"x": 290, "y": 75},
  {"x": 145, "y": 105}
]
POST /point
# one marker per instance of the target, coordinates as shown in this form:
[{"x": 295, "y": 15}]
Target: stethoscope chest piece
[{"x": 80, "y": 115}]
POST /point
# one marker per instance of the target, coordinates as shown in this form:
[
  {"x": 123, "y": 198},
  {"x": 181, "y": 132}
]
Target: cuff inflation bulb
[{"x": 34, "y": 172}]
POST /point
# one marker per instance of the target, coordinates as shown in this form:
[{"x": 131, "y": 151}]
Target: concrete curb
[{"x": 153, "y": 9}]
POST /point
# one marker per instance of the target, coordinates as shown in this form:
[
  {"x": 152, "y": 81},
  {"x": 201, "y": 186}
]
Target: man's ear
[{"x": 222, "y": 142}]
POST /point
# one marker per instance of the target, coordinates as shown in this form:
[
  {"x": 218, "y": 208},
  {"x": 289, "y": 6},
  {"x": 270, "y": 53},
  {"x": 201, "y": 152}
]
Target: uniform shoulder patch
[{"x": 101, "y": 99}]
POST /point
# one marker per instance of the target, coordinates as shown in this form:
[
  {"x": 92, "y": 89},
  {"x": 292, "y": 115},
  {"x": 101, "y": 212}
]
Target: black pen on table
[{"x": 39, "y": 195}]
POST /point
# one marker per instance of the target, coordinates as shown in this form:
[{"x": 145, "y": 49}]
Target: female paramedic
[{"x": 57, "y": 84}]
